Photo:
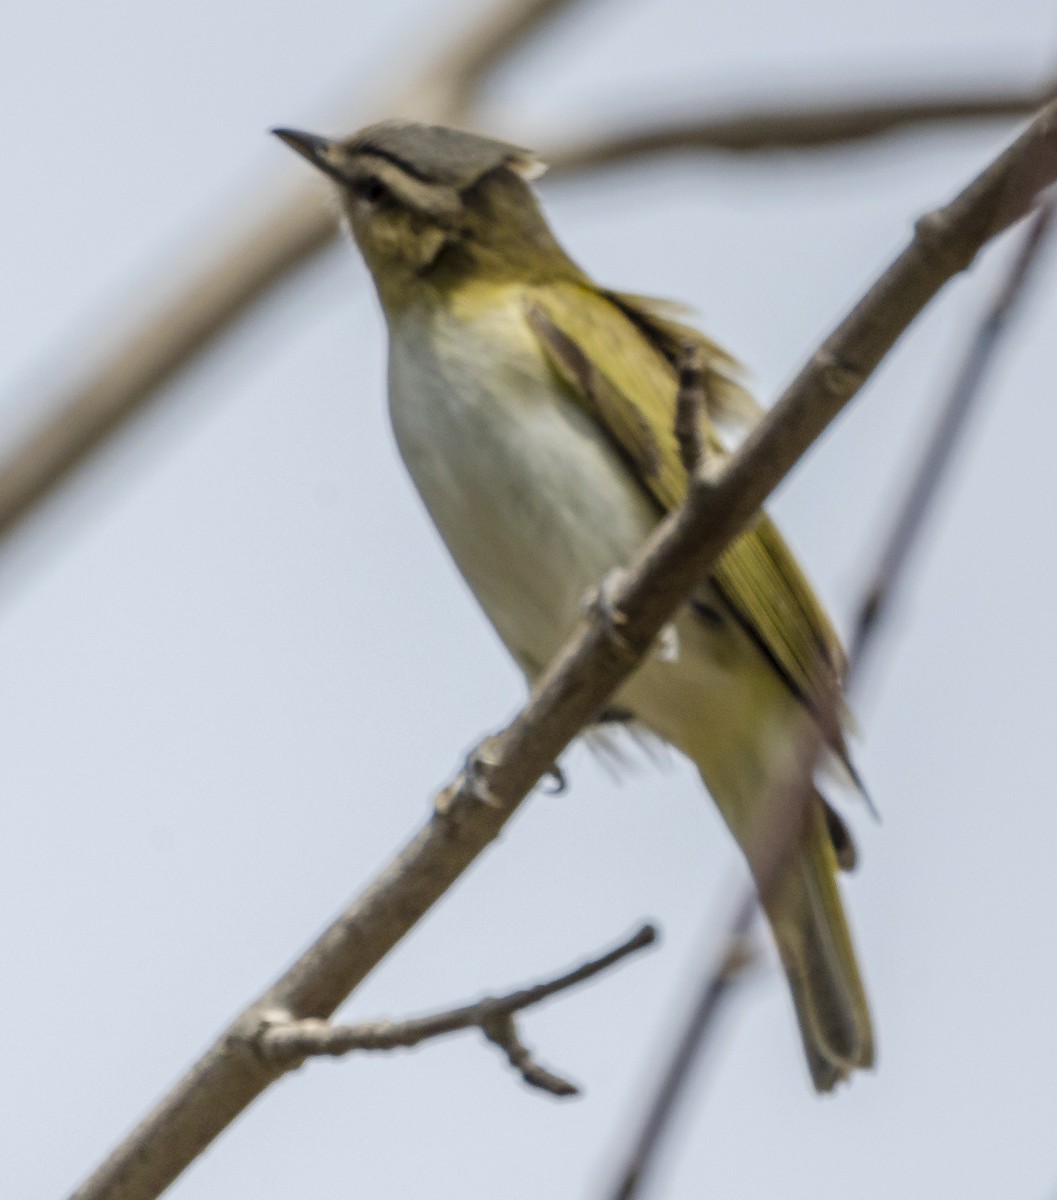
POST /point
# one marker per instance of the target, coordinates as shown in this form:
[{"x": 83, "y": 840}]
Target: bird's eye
[{"x": 372, "y": 190}]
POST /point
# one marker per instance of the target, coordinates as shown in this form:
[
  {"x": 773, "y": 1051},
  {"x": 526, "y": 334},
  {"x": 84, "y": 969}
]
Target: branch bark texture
[
  {"x": 287, "y": 1043},
  {"x": 473, "y": 809}
]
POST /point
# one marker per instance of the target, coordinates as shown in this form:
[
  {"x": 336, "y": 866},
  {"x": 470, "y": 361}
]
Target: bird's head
[{"x": 430, "y": 206}]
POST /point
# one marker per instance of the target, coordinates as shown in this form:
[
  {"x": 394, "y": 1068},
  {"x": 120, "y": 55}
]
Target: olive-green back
[{"x": 633, "y": 400}]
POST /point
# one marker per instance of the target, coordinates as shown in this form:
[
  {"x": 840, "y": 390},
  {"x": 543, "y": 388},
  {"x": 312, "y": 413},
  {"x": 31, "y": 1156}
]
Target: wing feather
[{"x": 639, "y": 342}]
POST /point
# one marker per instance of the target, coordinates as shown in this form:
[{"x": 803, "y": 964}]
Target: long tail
[{"x": 814, "y": 942}]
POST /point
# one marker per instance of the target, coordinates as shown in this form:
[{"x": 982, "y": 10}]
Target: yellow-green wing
[{"x": 581, "y": 328}]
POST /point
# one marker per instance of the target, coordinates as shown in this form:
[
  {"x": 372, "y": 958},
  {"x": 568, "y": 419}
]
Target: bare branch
[
  {"x": 778, "y": 846},
  {"x": 787, "y": 127},
  {"x": 287, "y": 1043},
  {"x": 946, "y": 438},
  {"x": 583, "y": 676},
  {"x": 503, "y": 1033},
  {"x": 480, "y": 53},
  {"x": 172, "y": 335},
  {"x": 184, "y": 322}
]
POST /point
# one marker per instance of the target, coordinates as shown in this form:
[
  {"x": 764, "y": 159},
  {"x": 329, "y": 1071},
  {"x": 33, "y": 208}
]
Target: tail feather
[{"x": 814, "y": 943}]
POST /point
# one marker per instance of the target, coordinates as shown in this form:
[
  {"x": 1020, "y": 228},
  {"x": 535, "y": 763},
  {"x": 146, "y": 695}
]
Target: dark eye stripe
[
  {"x": 372, "y": 190},
  {"x": 400, "y": 163}
]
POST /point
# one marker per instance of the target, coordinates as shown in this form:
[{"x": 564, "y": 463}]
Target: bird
[{"x": 534, "y": 410}]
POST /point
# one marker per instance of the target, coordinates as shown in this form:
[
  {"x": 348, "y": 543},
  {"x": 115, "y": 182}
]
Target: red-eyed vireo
[{"x": 535, "y": 412}]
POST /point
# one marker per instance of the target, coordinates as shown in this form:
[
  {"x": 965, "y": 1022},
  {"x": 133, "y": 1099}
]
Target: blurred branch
[
  {"x": 946, "y": 438},
  {"x": 472, "y": 810},
  {"x": 287, "y": 1043},
  {"x": 174, "y": 331},
  {"x": 723, "y": 973},
  {"x": 791, "y": 127},
  {"x": 783, "y": 836},
  {"x": 484, "y": 50}
]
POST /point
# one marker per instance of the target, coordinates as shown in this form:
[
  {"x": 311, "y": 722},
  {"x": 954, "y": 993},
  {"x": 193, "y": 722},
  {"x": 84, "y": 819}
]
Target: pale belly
[
  {"x": 532, "y": 503},
  {"x": 536, "y": 509}
]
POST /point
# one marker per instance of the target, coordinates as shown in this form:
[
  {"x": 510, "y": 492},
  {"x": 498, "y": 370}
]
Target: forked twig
[{"x": 287, "y": 1042}]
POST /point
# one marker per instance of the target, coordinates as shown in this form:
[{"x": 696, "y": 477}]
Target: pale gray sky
[{"x": 235, "y": 662}]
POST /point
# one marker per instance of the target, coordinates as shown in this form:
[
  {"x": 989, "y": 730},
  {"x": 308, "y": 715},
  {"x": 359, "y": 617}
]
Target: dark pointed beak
[{"x": 323, "y": 153}]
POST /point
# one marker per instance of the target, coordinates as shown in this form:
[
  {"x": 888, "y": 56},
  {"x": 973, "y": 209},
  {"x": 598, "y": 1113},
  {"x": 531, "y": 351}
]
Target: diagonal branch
[
  {"x": 287, "y": 1043},
  {"x": 946, "y": 438},
  {"x": 473, "y": 809},
  {"x": 183, "y": 323},
  {"x": 792, "y": 807},
  {"x": 470, "y": 64}
]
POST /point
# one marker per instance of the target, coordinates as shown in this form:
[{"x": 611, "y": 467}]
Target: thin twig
[
  {"x": 287, "y": 1043},
  {"x": 723, "y": 973},
  {"x": 947, "y": 436},
  {"x": 502, "y": 1032},
  {"x": 792, "y": 806},
  {"x": 183, "y": 322},
  {"x": 793, "y": 128},
  {"x": 579, "y": 682},
  {"x": 722, "y": 977}
]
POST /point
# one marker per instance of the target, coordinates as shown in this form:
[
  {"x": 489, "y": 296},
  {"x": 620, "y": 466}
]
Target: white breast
[
  {"x": 533, "y": 504},
  {"x": 537, "y": 509}
]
